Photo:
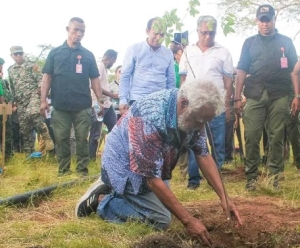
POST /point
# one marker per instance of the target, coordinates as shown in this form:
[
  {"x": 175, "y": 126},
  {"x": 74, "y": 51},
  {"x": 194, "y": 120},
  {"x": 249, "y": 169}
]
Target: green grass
[{"x": 50, "y": 221}]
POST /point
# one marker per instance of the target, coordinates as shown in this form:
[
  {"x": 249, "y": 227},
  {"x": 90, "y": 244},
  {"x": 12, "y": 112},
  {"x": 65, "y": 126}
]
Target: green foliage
[
  {"x": 170, "y": 22},
  {"x": 41, "y": 58},
  {"x": 228, "y": 23},
  {"x": 243, "y": 12}
]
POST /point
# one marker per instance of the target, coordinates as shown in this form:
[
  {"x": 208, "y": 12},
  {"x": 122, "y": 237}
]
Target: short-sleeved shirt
[
  {"x": 213, "y": 64},
  {"x": 70, "y": 89},
  {"x": 261, "y": 59},
  {"x": 1, "y": 87},
  {"x": 146, "y": 143}
]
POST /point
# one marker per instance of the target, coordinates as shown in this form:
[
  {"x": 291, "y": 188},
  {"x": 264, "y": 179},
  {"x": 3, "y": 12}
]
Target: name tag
[
  {"x": 284, "y": 62},
  {"x": 78, "y": 68}
]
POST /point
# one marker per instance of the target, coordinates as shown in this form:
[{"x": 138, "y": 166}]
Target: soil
[{"x": 267, "y": 223}]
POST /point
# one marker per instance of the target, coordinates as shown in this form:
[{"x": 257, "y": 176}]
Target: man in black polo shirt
[
  {"x": 269, "y": 59},
  {"x": 68, "y": 71}
]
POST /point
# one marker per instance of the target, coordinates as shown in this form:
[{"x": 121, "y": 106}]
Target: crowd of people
[{"x": 165, "y": 103}]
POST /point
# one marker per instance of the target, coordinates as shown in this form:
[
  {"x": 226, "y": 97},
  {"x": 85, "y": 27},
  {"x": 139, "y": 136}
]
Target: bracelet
[{"x": 237, "y": 100}]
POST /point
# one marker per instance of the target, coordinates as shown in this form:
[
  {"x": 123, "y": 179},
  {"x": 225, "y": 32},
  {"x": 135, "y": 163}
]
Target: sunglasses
[
  {"x": 210, "y": 33},
  {"x": 19, "y": 53}
]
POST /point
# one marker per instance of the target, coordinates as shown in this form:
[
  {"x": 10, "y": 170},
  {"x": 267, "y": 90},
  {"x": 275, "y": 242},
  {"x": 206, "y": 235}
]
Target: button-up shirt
[
  {"x": 70, "y": 87},
  {"x": 145, "y": 71},
  {"x": 146, "y": 143}
]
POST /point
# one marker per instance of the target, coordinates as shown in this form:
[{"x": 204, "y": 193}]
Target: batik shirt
[{"x": 146, "y": 143}]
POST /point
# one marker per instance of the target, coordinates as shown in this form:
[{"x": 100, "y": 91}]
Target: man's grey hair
[
  {"x": 202, "y": 92},
  {"x": 207, "y": 19}
]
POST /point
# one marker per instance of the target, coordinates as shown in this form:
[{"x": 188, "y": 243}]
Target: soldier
[
  {"x": 25, "y": 79},
  {"x": 6, "y": 97}
]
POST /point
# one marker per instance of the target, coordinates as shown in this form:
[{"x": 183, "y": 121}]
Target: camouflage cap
[
  {"x": 16, "y": 49},
  {"x": 2, "y": 61}
]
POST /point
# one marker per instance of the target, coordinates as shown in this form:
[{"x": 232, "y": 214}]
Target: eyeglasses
[
  {"x": 210, "y": 33},
  {"x": 18, "y": 53}
]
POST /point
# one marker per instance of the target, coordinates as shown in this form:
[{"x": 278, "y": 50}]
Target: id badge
[
  {"x": 284, "y": 62},
  {"x": 78, "y": 68}
]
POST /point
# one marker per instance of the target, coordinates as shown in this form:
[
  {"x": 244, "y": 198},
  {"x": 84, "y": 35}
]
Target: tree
[
  {"x": 41, "y": 58},
  {"x": 243, "y": 12}
]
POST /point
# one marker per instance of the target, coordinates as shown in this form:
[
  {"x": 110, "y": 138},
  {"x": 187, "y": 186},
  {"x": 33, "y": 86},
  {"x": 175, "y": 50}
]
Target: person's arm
[
  {"x": 46, "y": 84},
  {"x": 228, "y": 87},
  {"x": 96, "y": 87},
  {"x": 295, "y": 76},
  {"x": 110, "y": 94},
  {"x": 128, "y": 67},
  {"x": 171, "y": 77},
  {"x": 194, "y": 226}
]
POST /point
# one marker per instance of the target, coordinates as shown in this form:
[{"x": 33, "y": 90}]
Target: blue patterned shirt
[{"x": 146, "y": 143}]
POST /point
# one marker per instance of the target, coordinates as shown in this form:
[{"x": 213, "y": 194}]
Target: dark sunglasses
[
  {"x": 210, "y": 33},
  {"x": 19, "y": 53}
]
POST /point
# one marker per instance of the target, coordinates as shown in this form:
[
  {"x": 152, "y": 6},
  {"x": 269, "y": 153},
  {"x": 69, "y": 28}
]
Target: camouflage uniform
[{"x": 25, "y": 80}]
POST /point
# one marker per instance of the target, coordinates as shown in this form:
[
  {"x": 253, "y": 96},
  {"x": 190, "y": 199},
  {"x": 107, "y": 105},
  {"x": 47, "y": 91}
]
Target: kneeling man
[{"x": 141, "y": 152}]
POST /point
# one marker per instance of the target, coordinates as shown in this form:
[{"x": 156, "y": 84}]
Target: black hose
[{"x": 23, "y": 198}]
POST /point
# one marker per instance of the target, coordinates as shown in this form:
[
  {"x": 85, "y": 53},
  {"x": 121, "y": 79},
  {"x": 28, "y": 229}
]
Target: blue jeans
[
  {"x": 193, "y": 169},
  {"x": 146, "y": 208},
  {"x": 217, "y": 128},
  {"x": 217, "y": 143}
]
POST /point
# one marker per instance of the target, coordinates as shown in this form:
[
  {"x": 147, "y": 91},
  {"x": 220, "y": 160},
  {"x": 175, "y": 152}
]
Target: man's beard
[{"x": 181, "y": 122}]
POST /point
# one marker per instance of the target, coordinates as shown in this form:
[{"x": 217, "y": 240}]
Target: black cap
[{"x": 265, "y": 10}]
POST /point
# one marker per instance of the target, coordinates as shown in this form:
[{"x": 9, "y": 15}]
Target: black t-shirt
[
  {"x": 70, "y": 90},
  {"x": 261, "y": 58}
]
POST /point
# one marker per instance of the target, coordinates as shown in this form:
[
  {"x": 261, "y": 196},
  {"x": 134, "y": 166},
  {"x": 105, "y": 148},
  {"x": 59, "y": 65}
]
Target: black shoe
[
  {"x": 251, "y": 185},
  {"x": 193, "y": 186},
  {"x": 88, "y": 203}
]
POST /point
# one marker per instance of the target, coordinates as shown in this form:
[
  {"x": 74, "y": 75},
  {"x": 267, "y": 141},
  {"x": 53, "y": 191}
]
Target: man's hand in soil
[
  {"x": 196, "y": 229},
  {"x": 234, "y": 213}
]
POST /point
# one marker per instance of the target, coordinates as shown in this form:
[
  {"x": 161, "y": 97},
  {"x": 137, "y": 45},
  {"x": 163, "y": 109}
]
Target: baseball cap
[
  {"x": 265, "y": 10},
  {"x": 16, "y": 49},
  {"x": 2, "y": 61}
]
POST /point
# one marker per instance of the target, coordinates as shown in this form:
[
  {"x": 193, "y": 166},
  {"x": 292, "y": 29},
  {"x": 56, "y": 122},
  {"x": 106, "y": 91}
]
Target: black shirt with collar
[
  {"x": 70, "y": 90},
  {"x": 261, "y": 58}
]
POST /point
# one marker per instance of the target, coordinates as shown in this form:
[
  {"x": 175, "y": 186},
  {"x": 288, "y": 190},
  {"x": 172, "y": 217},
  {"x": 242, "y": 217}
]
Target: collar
[
  {"x": 216, "y": 45},
  {"x": 65, "y": 46},
  {"x": 150, "y": 48},
  {"x": 271, "y": 36}
]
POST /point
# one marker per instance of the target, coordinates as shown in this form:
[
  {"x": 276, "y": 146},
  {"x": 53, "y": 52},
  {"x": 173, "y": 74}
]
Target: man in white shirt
[
  {"x": 208, "y": 59},
  {"x": 108, "y": 113}
]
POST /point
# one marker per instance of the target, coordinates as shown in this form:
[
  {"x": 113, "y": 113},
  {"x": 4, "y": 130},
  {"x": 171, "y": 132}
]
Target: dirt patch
[
  {"x": 267, "y": 223},
  {"x": 234, "y": 175}
]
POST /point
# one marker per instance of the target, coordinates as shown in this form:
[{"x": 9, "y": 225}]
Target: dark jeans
[
  {"x": 229, "y": 140},
  {"x": 61, "y": 124},
  {"x": 17, "y": 139},
  {"x": 109, "y": 119}
]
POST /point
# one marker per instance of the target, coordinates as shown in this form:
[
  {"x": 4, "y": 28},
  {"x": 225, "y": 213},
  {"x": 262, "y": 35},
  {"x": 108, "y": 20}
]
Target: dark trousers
[
  {"x": 61, "y": 124},
  {"x": 109, "y": 119},
  {"x": 229, "y": 140}
]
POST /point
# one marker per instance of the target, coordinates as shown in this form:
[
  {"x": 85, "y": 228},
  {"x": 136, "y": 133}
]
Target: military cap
[
  {"x": 16, "y": 49},
  {"x": 2, "y": 61}
]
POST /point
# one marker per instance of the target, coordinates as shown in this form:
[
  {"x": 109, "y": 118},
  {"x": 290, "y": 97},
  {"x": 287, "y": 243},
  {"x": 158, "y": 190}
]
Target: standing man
[
  {"x": 208, "y": 59},
  {"x": 67, "y": 72},
  {"x": 148, "y": 67},
  {"x": 108, "y": 113},
  {"x": 25, "y": 81},
  {"x": 269, "y": 58}
]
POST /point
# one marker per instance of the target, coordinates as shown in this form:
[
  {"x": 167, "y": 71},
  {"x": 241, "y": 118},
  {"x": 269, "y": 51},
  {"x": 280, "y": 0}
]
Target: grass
[{"x": 50, "y": 221}]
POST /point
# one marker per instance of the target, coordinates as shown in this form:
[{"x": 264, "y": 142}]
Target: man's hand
[
  {"x": 43, "y": 108},
  {"x": 123, "y": 108},
  {"x": 295, "y": 106},
  {"x": 234, "y": 213},
  {"x": 115, "y": 96},
  {"x": 196, "y": 228},
  {"x": 238, "y": 107}
]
